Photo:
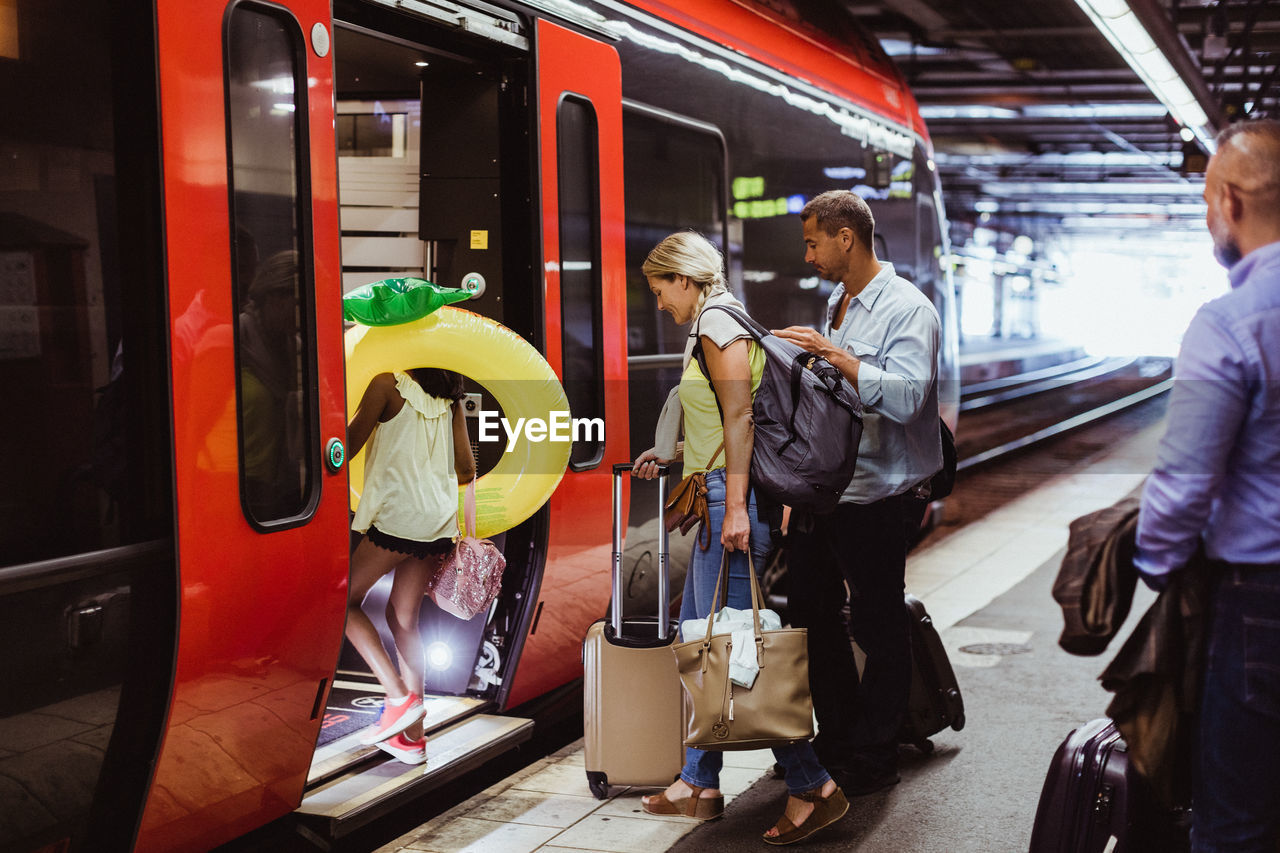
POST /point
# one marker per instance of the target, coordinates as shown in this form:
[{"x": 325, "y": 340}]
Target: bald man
[{"x": 1217, "y": 481}]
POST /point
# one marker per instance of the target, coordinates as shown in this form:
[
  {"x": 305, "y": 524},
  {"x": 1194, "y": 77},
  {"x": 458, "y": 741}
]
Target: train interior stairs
[{"x": 351, "y": 784}]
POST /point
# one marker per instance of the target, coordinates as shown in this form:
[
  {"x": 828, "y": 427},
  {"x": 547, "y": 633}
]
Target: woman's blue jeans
[{"x": 702, "y": 767}]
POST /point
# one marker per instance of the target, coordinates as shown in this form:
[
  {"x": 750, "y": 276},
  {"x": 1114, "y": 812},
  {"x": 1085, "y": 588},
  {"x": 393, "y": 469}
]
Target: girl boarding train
[{"x": 188, "y": 188}]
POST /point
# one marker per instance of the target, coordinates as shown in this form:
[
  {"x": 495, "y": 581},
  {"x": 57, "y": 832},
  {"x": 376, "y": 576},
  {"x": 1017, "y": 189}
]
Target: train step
[
  {"x": 338, "y": 756},
  {"x": 374, "y": 788}
]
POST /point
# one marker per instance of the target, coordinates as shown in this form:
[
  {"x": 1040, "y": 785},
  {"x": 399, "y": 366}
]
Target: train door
[
  {"x": 439, "y": 133},
  {"x": 434, "y": 183},
  {"x": 86, "y": 525},
  {"x": 584, "y": 279},
  {"x": 250, "y": 225}
]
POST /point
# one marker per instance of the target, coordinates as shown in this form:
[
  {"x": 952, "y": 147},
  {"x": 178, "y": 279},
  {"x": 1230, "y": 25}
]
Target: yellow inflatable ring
[{"x": 508, "y": 366}]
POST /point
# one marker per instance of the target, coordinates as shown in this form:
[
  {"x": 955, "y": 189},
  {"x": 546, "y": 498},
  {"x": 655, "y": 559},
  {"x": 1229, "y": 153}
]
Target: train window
[
  {"x": 676, "y": 172},
  {"x": 581, "y": 288},
  {"x": 376, "y": 134},
  {"x": 784, "y": 148},
  {"x": 675, "y": 180},
  {"x": 267, "y": 140},
  {"x": 82, "y": 310},
  {"x": 929, "y": 253},
  {"x": 87, "y": 574}
]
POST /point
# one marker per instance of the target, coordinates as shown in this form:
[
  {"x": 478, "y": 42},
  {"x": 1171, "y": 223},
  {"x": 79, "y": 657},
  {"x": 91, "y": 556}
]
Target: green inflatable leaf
[{"x": 393, "y": 301}]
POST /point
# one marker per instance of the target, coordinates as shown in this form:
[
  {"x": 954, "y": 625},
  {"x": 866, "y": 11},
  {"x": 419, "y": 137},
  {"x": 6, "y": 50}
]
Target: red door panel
[
  {"x": 260, "y": 613},
  {"x": 575, "y": 587}
]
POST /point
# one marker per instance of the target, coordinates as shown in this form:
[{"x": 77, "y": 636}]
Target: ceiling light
[
  {"x": 844, "y": 173},
  {"x": 1216, "y": 47},
  {"x": 1110, "y": 8},
  {"x": 898, "y": 47},
  {"x": 1008, "y": 189},
  {"x": 1215, "y": 40},
  {"x": 967, "y": 111},
  {"x": 1065, "y": 160},
  {"x": 1104, "y": 111},
  {"x": 1115, "y": 20}
]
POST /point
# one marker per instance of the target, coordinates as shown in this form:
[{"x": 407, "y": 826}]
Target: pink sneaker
[
  {"x": 395, "y": 719},
  {"x": 408, "y": 751}
]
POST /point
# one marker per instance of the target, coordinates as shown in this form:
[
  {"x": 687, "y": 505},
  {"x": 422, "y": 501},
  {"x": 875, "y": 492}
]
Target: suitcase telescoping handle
[{"x": 664, "y": 591}]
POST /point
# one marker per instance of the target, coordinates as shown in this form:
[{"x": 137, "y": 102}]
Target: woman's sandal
[
  {"x": 695, "y": 806},
  {"x": 826, "y": 811}
]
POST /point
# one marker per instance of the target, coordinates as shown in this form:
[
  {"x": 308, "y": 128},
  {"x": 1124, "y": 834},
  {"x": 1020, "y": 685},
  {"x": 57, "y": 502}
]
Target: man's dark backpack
[
  {"x": 808, "y": 422},
  {"x": 945, "y": 480}
]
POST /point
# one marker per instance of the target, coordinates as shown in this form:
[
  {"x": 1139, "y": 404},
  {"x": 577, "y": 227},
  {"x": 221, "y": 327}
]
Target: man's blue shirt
[
  {"x": 1217, "y": 473},
  {"x": 894, "y": 330}
]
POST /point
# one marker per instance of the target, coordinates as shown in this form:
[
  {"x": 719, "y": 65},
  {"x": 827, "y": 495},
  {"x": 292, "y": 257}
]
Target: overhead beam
[
  {"x": 943, "y": 34},
  {"x": 960, "y": 93}
]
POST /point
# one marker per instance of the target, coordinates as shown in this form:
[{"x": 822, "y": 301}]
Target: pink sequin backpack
[{"x": 471, "y": 576}]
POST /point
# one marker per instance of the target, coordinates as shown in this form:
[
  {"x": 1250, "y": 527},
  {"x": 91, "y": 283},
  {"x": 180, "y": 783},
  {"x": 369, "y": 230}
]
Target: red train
[{"x": 186, "y": 191}]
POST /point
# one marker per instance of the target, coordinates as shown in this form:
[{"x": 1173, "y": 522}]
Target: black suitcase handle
[
  {"x": 664, "y": 587},
  {"x": 625, "y": 467}
]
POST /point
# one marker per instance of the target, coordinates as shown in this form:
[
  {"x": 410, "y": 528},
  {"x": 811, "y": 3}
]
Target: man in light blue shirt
[
  {"x": 1217, "y": 481},
  {"x": 883, "y": 334}
]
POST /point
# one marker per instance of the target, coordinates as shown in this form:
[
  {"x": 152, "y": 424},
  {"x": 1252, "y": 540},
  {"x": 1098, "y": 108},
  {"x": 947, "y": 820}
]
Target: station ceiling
[{"x": 1038, "y": 121}]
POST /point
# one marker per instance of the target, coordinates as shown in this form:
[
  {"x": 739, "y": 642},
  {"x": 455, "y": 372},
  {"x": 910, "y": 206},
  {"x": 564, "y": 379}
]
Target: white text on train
[{"x": 560, "y": 427}]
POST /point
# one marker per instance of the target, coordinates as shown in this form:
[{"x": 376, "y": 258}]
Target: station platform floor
[
  {"x": 985, "y": 358},
  {"x": 977, "y": 350},
  {"x": 987, "y": 588}
]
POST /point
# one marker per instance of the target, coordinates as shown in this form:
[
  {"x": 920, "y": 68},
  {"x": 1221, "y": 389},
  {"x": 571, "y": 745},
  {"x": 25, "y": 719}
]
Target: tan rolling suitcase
[{"x": 632, "y": 704}]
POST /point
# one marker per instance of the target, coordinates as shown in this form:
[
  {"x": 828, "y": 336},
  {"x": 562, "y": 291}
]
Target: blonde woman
[{"x": 685, "y": 272}]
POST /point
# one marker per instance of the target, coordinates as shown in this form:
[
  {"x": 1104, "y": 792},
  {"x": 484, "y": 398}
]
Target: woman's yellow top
[{"x": 703, "y": 428}]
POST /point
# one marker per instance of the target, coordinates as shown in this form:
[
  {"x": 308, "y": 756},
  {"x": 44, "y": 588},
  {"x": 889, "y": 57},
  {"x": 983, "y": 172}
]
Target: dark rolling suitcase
[
  {"x": 633, "y": 707},
  {"x": 1093, "y": 800},
  {"x": 935, "y": 702}
]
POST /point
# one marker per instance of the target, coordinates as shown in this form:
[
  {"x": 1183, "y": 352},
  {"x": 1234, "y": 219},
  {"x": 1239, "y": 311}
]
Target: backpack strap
[
  {"x": 752, "y": 328},
  {"x": 716, "y": 455},
  {"x": 759, "y": 333},
  {"x": 747, "y": 322},
  {"x": 802, "y": 360},
  {"x": 701, "y": 358}
]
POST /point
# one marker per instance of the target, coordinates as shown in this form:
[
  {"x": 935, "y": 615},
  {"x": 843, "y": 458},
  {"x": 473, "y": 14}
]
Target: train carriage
[{"x": 187, "y": 189}]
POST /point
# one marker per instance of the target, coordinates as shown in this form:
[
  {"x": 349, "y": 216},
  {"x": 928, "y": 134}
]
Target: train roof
[{"x": 825, "y": 50}]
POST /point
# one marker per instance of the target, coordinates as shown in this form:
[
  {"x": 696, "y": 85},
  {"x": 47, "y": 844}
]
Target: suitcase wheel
[
  {"x": 599, "y": 784},
  {"x": 924, "y": 745},
  {"x": 958, "y": 722}
]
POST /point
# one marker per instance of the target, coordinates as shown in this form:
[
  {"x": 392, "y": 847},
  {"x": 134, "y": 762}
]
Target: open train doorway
[{"x": 434, "y": 175}]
